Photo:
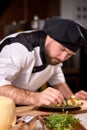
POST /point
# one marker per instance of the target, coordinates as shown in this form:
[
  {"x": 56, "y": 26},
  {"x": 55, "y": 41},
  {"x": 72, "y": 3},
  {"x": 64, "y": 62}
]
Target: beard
[{"x": 52, "y": 60}]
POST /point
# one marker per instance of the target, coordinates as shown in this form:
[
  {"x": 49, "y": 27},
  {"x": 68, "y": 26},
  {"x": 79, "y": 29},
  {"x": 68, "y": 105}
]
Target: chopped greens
[{"x": 60, "y": 121}]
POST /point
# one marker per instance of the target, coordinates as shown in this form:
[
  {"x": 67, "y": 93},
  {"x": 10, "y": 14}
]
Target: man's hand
[
  {"x": 81, "y": 94},
  {"x": 49, "y": 96}
]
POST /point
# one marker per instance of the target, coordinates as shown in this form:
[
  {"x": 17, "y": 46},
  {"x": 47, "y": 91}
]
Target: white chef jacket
[{"x": 17, "y": 63}]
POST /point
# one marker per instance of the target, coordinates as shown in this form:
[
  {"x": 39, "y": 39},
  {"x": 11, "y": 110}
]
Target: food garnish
[
  {"x": 63, "y": 121},
  {"x": 74, "y": 101}
]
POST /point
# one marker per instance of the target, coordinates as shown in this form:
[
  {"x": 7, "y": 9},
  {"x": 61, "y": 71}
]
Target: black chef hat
[{"x": 68, "y": 32}]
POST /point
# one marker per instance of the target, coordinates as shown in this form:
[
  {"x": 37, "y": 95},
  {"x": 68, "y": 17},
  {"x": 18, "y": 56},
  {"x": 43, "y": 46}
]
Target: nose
[{"x": 64, "y": 57}]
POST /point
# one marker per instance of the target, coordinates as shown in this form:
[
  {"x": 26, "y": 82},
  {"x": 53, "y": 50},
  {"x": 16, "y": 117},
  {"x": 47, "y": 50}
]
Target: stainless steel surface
[{"x": 25, "y": 118}]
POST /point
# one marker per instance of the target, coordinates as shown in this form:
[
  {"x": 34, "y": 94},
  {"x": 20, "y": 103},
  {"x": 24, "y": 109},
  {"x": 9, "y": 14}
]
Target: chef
[{"x": 31, "y": 58}]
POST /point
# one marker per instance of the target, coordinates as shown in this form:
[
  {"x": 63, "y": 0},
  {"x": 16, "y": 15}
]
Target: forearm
[
  {"x": 25, "y": 97},
  {"x": 20, "y": 96},
  {"x": 64, "y": 88}
]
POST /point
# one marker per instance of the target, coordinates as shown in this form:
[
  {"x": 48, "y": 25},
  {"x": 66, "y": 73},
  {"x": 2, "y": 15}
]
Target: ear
[{"x": 48, "y": 40}]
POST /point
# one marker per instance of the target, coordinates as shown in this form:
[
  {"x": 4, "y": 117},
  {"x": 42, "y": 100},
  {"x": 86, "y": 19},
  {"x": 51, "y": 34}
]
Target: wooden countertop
[{"x": 30, "y": 110}]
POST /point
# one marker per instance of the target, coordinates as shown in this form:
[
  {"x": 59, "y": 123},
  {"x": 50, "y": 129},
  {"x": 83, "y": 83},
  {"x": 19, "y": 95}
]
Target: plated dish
[
  {"x": 72, "y": 103},
  {"x": 63, "y": 107}
]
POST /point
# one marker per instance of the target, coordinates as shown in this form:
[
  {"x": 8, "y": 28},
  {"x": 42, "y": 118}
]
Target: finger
[
  {"x": 56, "y": 94},
  {"x": 80, "y": 95},
  {"x": 60, "y": 99},
  {"x": 55, "y": 100},
  {"x": 52, "y": 96}
]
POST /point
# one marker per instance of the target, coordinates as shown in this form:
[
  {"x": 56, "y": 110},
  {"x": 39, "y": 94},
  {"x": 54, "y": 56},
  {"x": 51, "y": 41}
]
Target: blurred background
[{"x": 20, "y": 15}]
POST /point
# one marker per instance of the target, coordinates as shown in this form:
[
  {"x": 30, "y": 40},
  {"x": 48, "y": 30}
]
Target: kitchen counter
[{"x": 80, "y": 113}]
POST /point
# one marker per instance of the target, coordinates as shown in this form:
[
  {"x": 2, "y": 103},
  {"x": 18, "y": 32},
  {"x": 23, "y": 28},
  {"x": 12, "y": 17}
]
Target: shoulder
[{"x": 16, "y": 52}]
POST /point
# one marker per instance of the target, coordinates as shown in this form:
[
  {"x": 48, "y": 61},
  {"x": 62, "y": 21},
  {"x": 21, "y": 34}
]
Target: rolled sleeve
[
  {"x": 58, "y": 76},
  {"x": 10, "y": 63},
  {"x": 4, "y": 82}
]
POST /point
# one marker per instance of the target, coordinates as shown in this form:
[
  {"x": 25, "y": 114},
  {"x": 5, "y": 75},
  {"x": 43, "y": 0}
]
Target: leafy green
[{"x": 60, "y": 121}]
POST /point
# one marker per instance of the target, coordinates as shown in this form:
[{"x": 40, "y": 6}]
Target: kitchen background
[{"x": 19, "y": 15}]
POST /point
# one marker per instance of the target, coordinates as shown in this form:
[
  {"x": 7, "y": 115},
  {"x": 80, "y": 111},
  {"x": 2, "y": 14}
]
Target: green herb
[{"x": 60, "y": 121}]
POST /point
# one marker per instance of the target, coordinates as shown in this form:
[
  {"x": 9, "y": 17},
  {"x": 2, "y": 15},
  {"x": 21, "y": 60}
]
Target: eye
[
  {"x": 62, "y": 49},
  {"x": 69, "y": 55}
]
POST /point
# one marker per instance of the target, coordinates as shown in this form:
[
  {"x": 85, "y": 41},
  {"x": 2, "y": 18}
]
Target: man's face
[{"x": 56, "y": 53}]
